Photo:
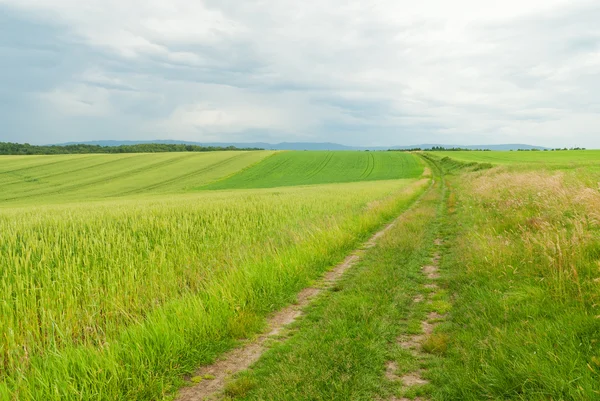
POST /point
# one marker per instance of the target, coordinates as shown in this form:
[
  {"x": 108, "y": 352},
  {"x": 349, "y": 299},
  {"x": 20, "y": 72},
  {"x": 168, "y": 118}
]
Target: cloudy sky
[{"x": 386, "y": 72}]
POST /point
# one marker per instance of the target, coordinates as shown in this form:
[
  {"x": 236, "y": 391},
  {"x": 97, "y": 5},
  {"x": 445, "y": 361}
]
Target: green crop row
[
  {"x": 43, "y": 179},
  {"x": 309, "y": 168}
]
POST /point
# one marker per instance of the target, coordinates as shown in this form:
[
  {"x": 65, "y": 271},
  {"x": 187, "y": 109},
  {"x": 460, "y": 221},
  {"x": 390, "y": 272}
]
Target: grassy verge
[
  {"x": 523, "y": 263},
  {"x": 340, "y": 349}
]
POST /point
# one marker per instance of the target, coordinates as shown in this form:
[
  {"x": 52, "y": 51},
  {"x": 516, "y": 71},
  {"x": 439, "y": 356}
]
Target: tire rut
[
  {"x": 242, "y": 358},
  {"x": 414, "y": 343}
]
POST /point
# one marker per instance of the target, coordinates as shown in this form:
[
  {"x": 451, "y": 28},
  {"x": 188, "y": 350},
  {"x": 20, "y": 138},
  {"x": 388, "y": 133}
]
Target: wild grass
[
  {"x": 317, "y": 167},
  {"x": 117, "y": 300},
  {"x": 525, "y": 271}
]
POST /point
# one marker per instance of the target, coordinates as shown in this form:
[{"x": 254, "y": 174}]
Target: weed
[
  {"x": 436, "y": 343},
  {"x": 240, "y": 387}
]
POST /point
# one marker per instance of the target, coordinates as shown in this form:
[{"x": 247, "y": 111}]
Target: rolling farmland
[
  {"x": 122, "y": 296},
  {"x": 309, "y": 168},
  {"x": 121, "y": 275},
  {"x": 34, "y": 179}
]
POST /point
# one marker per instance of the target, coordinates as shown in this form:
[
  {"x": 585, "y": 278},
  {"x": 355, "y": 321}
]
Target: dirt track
[{"x": 242, "y": 358}]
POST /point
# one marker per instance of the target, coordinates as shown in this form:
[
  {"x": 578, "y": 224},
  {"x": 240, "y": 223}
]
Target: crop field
[
  {"x": 34, "y": 179},
  {"x": 119, "y": 298},
  {"x": 123, "y": 276},
  {"x": 316, "y": 167}
]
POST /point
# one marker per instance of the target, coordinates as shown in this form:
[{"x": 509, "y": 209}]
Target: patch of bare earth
[
  {"x": 407, "y": 399},
  {"x": 242, "y": 358},
  {"x": 413, "y": 379},
  {"x": 431, "y": 272},
  {"x": 412, "y": 342},
  {"x": 408, "y": 380},
  {"x": 434, "y": 317},
  {"x": 390, "y": 370}
]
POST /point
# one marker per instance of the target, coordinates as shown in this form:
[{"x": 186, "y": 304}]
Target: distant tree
[{"x": 8, "y": 148}]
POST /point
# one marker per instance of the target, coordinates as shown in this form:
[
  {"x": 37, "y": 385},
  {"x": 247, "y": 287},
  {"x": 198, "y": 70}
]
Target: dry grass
[
  {"x": 436, "y": 343},
  {"x": 551, "y": 226},
  {"x": 525, "y": 268}
]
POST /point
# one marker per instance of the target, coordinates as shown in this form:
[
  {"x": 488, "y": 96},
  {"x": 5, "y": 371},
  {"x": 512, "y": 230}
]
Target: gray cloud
[{"x": 279, "y": 70}]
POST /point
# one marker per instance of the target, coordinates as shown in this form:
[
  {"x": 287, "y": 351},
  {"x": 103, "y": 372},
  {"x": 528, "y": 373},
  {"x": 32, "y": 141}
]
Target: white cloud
[
  {"x": 135, "y": 26},
  {"x": 79, "y": 100},
  {"x": 457, "y": 72},
  {"x": 209, "y": 118}
]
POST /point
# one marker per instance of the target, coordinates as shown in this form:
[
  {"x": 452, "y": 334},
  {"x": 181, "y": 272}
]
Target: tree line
[
  {"x": 549, "y": 150},
  {"x": 439, "y": 149},
  {"x": 9, "y": 148}
]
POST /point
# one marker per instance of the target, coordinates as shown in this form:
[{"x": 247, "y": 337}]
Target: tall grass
[
  {"x": 117, "y": 300},
  {"x": 525, "y": 267}
]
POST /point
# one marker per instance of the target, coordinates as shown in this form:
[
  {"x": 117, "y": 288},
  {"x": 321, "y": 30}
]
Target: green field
[
  {"x": 515, "y": 308},
  {"x": 340, "y": 351},
  {"x": 35, "y": 179},
  {"x": 522, "y": 260},
  {"x": 122, "y": 274},
  {"x": 564, "y": 158},
  {"x": 309, "y": 168},
  {"x": 120, "y": 297}
]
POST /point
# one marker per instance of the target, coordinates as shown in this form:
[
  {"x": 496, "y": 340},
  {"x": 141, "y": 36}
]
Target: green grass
[
  {"x": 540, "y": 158},
  {"x": 44, "y": 179},
  {"x": 520, "y": 284},
  {"x": 118, "y": 299},
  {"x": 339, "y": 350},
  {"x": 316, "y": 167},
  {"x": 522, "y": 265},
  {"x": 119, "y": 274}
]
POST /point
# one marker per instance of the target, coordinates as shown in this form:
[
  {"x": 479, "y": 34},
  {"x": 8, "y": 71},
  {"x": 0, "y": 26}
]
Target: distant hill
[{"x": 305, "y": 145}]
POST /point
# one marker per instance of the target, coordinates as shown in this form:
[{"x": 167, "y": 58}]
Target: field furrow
[{"x": 100, "y": 176}]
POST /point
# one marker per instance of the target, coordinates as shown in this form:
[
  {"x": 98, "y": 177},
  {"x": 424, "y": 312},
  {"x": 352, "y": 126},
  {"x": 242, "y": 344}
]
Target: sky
[{"x": 365, "y": 73}]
